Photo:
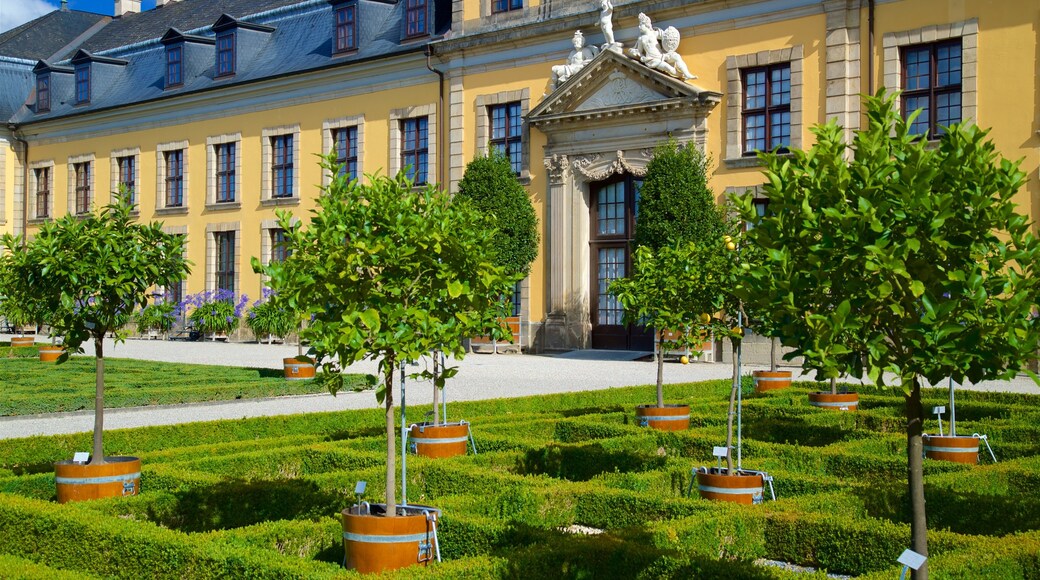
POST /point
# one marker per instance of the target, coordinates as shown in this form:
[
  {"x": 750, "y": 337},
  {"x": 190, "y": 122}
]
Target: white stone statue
[
  {"x": 580, "y": 56},
  {"x": 649, "y": 45},
  {"x": 606, "y": 26}
]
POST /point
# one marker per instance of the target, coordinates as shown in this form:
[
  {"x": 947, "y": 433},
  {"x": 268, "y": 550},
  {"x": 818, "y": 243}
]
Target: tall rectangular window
[
  {"x": 506, "y": 5},
  {"x": 506, "y": 127},
  {"x": 767, "y": 108},
  {"x": 346, "y": 27},
  {"x": 225, "y": 154},
  {"x": 127, "y": 171},
  {"x": 415, "y": 17},
  {"x": 83, "y": 83},
  {"x": 282, "y": 166},
  {"x": 932, "y": 83},
  {"x": 175, "y": 292},
  {"x": 43, "y": 192},
  {"x": 82, "y": 171},
  {"x": 279, "y": 246},
  {"x": 174, "y": 178},
  {"x": 415, "y": 148},
  {"x": 226, "y": 53},
  {"x": 225, "y": 273},
  {"x": 344, "y": 142},
  {"x": 174, "y": 60},
  {"x": 43, "y": 93}
]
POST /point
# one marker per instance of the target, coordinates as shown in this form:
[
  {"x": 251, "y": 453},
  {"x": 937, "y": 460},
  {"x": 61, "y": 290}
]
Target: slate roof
[
  {"x": 16, "y": 78},
  {"x": 301, "y": 40},
  {"x": 41, "y": 38}
]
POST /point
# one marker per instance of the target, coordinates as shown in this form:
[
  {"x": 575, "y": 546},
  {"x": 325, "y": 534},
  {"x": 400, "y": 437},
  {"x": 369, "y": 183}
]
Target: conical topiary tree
[{"x": 675, "y": 203}]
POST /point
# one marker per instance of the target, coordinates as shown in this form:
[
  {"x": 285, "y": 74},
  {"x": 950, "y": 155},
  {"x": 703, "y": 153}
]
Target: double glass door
[{"x": 615, "y": 204}]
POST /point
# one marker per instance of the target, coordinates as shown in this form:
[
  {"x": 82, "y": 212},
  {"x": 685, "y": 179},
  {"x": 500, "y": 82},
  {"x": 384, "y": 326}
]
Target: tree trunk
[
  {"x": 436, "y": 406},
  {"x": 834, "y": 385},
  {"x": 660, "y": 369},
  {"x": 915, "y": 476},
  {"x": 391, "y": 447},
  {"x": 732, "y": 408},
  {"x": 773, "y": 342},
  {"x": 97, "y": 457}
]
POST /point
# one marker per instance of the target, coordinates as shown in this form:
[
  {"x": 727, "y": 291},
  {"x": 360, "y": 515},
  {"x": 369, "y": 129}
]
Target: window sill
[
  {"x": 223, "y": 206},
  {"x": 750, "y": 161},
  {"x": 343, "y": 53},
  {"x": 179, "y": 210},
  {"x": 279, "y": 201},
  {"x": 37, "y": 221},
  {"x": 415, "y": 38}
]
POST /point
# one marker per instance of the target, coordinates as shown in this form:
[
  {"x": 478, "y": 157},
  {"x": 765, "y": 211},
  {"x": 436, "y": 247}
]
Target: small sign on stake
[
  {"x": 80, "y": 457},
  {"x": 910, "y": 560}
]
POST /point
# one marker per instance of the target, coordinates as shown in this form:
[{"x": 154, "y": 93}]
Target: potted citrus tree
[
  {"x": 269, "y": 316},
  {"x": 19, "y": 307},
  {"x": 917, "y": 244},
  {"x": 156, "y": 319},
  {"x": 217, "y": 313},
  {"x": 90, "y": 273},
  {"x": 414, "y": 275},
  {"x": 491, "y": 188}
]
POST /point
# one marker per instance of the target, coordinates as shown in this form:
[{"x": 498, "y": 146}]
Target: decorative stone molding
[
  {"x": 967, "y": 31},
  {"x": 30, "y": 196},
  {"x": 597, "y": 167},
  {"x": 657, "y": 49},
  {"x": 843, "y": 64},
  {"x": 558, "y": 168},
  {"x": 619, "y": 91},
  {"x": 115, "y": 156}
]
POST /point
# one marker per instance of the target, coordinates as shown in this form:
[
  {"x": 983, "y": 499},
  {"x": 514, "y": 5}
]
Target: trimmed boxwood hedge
[{"x": 261, "y": 497}]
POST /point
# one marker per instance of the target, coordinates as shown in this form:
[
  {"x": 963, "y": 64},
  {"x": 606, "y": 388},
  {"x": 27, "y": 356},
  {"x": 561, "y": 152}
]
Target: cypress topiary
[
  {"x": 491, "y": 186},
  {"x": 675, "y": 203}
]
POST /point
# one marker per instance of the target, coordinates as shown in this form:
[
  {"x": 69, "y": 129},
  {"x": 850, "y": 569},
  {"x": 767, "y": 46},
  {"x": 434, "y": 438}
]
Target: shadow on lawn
[{"x": 583, "y": 462}]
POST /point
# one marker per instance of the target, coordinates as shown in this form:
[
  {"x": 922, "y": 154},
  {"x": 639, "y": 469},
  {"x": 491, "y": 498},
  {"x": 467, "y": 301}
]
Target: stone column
[
  {"x": 843, "y": 63},
  {"x": 558, "y": 244}
]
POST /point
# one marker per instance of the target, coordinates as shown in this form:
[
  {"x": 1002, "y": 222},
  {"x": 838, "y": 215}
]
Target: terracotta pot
[
  {"x": 50, "y": 353},
  {"x": 445, "y": 440},
  {"x": 298, "y": 370},
  {"x": 956, "y": 449},
  {"x": 771, "y": 380},
  {"x": 374, "y": 543},
  {"x": 666, "y": 418},
  {"x": 23, "y": 340},
  {"x": 839, "y": 402},
  {"x": 716, "y": 484},
  {"x": 117, "y": 477}
]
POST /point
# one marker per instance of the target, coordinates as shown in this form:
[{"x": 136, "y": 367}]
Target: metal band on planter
[{"x": 97, "y": 480}]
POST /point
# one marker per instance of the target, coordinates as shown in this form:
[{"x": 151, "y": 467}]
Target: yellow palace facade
[{"x": 214, "y": 112}]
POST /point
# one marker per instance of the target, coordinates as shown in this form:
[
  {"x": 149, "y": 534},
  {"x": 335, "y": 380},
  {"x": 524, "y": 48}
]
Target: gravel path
[{"x": 480, "y": 377}]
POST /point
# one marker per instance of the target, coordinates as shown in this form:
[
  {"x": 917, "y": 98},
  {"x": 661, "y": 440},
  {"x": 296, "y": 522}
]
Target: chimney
[
  {"x": 64, "y": 5},
  {"x": 126, "y": 7}
]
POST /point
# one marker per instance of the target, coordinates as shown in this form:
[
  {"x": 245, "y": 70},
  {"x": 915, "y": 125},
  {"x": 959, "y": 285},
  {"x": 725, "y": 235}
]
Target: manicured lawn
[
  {"x": 260, "y": 498},
  {"x": 30, "y": 386}
]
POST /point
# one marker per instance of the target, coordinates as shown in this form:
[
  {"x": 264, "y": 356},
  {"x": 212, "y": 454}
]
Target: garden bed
[{"x": 259, "y": 497}]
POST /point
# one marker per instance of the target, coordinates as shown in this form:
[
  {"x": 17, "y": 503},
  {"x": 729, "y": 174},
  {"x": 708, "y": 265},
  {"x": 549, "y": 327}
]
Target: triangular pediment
[{"x": 615, "y": 84}]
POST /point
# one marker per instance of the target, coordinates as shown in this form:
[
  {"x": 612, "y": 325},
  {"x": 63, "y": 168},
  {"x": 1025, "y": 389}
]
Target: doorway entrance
[{"x": 615, "y": 204}]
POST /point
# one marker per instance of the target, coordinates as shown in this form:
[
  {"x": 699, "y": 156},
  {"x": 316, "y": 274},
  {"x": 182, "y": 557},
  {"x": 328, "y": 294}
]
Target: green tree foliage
[
  {"x": 389, "y": 272},
  {"x": 675, "y": 287},
  {"x": 907, "y": 258},
  {"x": 90, "y": 273},
  {"x": 675, "y": 203},
  {"x": 491, "y": 187},
  {"x": 20, "y": 305}
]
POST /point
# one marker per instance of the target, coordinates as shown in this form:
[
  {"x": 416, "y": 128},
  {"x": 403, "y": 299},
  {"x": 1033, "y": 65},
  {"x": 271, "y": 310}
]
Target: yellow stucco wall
[{"x": 373, "y": 157}]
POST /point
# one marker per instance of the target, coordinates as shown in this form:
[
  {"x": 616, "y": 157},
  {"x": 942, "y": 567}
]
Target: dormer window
[
  {"x": 415, "y": 18},
  {"x": 174, "y": 66},
  {"x": 346, "y": 26},
  {"x": 82, "y": 83},
  {"x": 226, "y": 53},
  {"x": 43, "y": 93}
]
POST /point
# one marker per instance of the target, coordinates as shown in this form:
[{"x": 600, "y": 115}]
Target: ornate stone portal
[{"x": 605, "y": 122}]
